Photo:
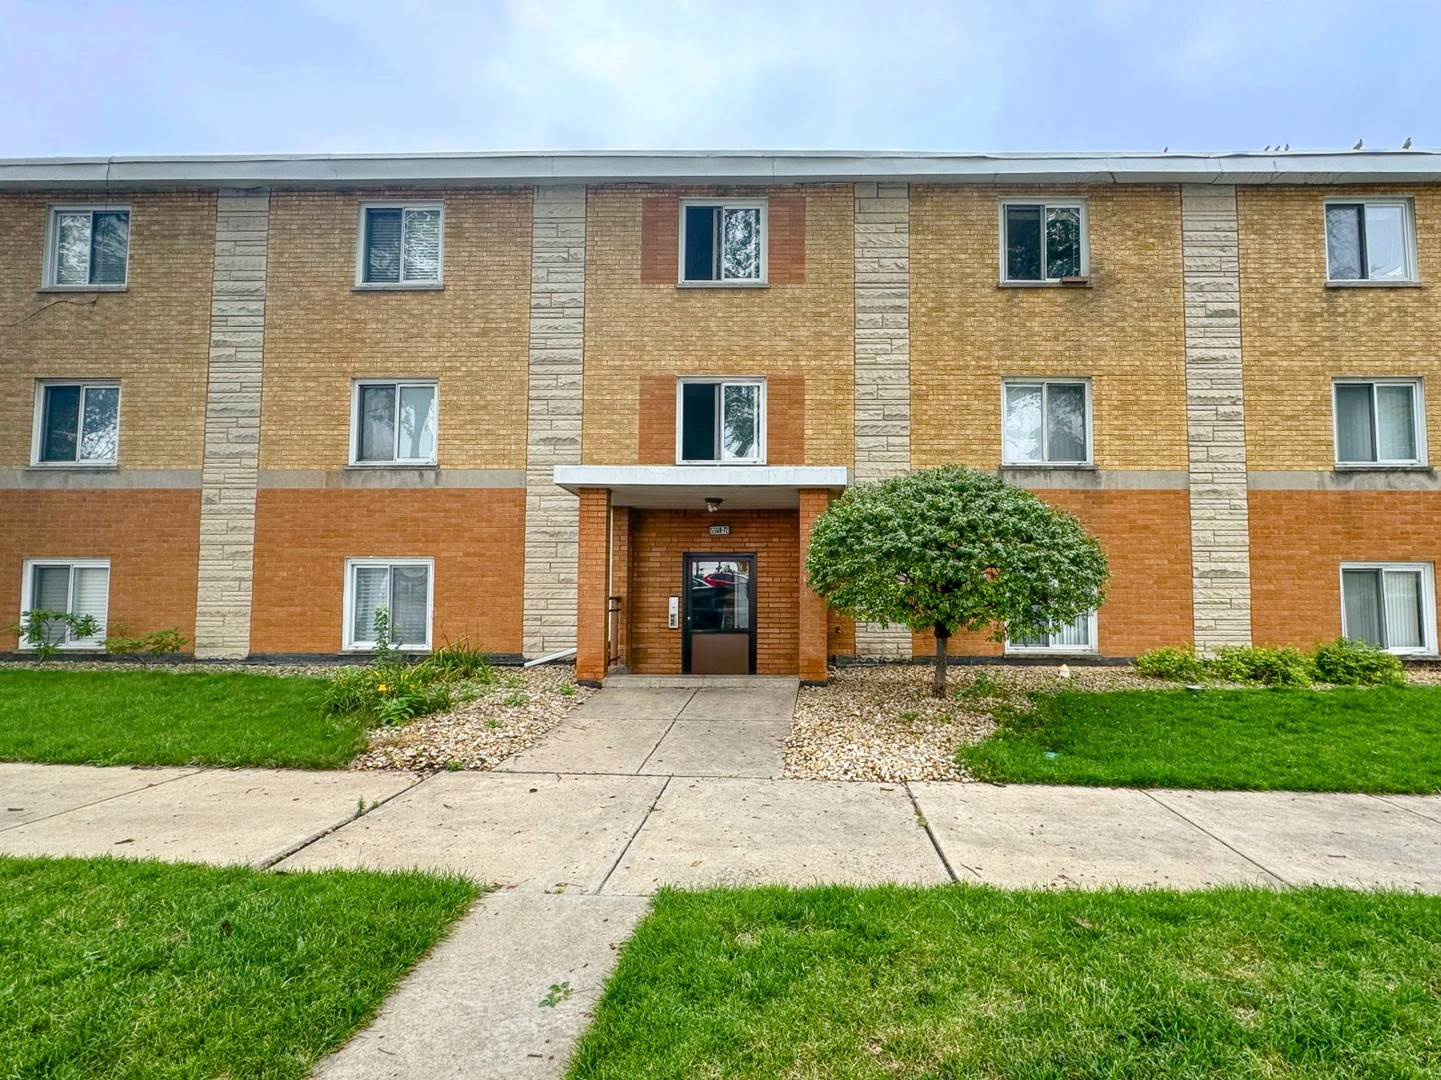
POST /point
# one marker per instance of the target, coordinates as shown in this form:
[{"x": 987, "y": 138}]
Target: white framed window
[
  {"x": 1370, "y": 240},
  {"x": 721, "y": 421},
  {"x": 70, "y": 586},
  {"x": 1392, "y": 605},
  {"x": 723, "y": 242},
  {"x": 400, "y": 245},
  {"x": 393, "y": 422},
  {"x": 403, "y": 588},
  {"x": 76, "y": 423},
  {"x": 1044, "y": 240},
  {"x": 1379, "y": 422},
  {"x": 1076, "y": 637},
  {"x": 1045, "y": 421},
  {"x": 87, "y": 247}
]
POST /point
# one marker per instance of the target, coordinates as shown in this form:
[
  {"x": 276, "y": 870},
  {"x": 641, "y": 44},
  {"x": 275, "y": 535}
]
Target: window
[
  {"x": 723, "y": 243},
  {"x": 721, "y": 421},
  {"x": 394, "y": 423},
  {"x": 1077, "y": 637},
  {"x": 1389, "y": 604},
  {"x": 400, "y": 245},
  {"x": 76, "y": 423},
  {"x": 1370, "y": 241},
  {"x": 1046, "y": 422},
  {"x": 1378, "y": 422},
  {"x": 1043, "y": 241},
  {"x": 75, "y": 587},
  {"x": 399, "y": 587},
  {"x": 88, "y": 247}
]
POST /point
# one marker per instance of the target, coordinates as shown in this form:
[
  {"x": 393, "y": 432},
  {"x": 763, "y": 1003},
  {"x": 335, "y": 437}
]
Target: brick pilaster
[
  {"x": 811, "y": 646},
  {"x": 592, "y": 584}
]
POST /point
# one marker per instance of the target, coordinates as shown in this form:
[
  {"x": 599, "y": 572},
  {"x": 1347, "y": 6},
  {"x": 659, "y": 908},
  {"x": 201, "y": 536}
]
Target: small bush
[
  {"x": 1284, "y": 666},
  {"x": 1177, "y": 664},
  {"x": 156, "y": 643},
  {"x": 1347, "y": 662},
  {"x": 456, "y": 661}
]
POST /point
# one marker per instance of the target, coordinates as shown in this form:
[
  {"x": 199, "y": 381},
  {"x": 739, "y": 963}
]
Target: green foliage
[
  {"x": 457, "y": 661},
  {"x": 1348, "y": 662},
  {"x": 155, "y": 643},
  {"x": 45, "y": 631},
  {"x": 1284, "y": 666},
  {"x": 1177, "y": 664},
  {"x": 953, "y": 549}
]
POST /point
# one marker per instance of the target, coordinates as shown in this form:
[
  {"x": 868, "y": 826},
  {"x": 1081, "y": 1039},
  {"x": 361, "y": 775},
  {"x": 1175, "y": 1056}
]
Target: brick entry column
[
  {"x": 811, "y": 647},
  {"x": 592, "y": 585}
]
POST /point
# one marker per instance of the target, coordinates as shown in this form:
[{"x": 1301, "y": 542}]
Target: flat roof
[{"x": 720, "y": 167}]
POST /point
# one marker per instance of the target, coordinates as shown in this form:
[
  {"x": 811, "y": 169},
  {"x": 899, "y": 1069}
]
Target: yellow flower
[{"x": 381, "y": 688}]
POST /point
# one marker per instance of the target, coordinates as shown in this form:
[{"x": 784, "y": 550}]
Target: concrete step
[{"x": 695, "y": 682}]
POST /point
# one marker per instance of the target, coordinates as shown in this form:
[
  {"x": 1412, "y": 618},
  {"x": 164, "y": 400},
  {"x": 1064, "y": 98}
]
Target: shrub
[
  {"x": 44, "y": 631},
  {"x": 455, "y": 661},
  {"x": 1178, "y": 664},
  {"x": 1348, "y": 662},
  {"x": 1284, "y": 666},
  {"x": 156, "y": 643}
]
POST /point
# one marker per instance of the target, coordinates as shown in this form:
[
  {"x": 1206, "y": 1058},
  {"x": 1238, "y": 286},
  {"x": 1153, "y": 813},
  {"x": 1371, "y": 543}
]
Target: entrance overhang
[{"x": 687, "y": 487}]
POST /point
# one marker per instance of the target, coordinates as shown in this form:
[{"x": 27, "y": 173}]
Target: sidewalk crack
[
  {"x": 924, "y": 823},
  {"x": 630, "y": 840},
  {"x": 1228, "y": 846}
]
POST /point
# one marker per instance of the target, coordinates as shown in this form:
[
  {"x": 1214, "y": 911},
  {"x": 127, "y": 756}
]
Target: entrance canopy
[{"x": 687, "y": 487}]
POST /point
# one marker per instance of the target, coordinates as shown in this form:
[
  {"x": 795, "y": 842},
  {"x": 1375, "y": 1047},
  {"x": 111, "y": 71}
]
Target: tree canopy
[{"x": 952, "y": 549}]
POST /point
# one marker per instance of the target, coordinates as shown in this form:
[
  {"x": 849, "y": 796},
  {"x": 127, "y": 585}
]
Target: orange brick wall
[
  {"x": 1300, "y": 538},
  {"x": 785, "y": 240},
  {"x": 1147, "y": 538},
  {"x": 659, "y": 538},
  {"x": 152, "y": 539},
  {"x": 303, "y": 537},
  {"x": 593, "y": 585},
  {"x": 785, "y": 421}
]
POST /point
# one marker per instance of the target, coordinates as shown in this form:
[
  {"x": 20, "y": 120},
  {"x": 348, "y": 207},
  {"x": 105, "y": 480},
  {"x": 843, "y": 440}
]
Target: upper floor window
[
  {"x": 1378, "y": 422},
  {"x": 76, "y": 423},
  {"x": 402, "y": 588},
  {"x": 1046, "y": 422},
  {"x": 394, "y": 423},
  {"x": 1370, "y": 240},
  {"x": 400, "y": 245},
  {"x": 1044, "y": 241},
  {"x": 721, "y": 420},
  {"x": 66, "y": 587},
  {"x": 88, "y": 247},
  {"x": 1075, "y": 637},
  {"x": 1392, "y": 605},
  {"x": 723, "y": 242}
]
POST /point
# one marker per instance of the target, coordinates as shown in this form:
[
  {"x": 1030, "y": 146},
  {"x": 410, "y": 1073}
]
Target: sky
[{"x": 93, "y": 78}]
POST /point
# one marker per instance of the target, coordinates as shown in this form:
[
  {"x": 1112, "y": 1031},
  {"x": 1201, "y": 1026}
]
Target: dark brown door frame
[{"x": 685, "y": 575}]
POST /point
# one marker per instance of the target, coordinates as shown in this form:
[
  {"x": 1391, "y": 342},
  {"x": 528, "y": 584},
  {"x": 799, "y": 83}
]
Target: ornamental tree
[{"x": 953, "y": 549}]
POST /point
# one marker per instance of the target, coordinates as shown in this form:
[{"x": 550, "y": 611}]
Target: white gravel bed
[{"x": 501, "y": 720}]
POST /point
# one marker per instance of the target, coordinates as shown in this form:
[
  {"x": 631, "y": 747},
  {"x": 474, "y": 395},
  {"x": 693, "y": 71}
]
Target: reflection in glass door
[{"x": 718, "y": 636}]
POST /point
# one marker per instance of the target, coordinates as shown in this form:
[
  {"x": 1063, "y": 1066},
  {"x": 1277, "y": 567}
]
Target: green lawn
[
  {"x": 945, "y": 983},
  {"x": 1386, "y": 739},
  {"x": 165, "y": 718},
  {"x": 114, "y": 969}
]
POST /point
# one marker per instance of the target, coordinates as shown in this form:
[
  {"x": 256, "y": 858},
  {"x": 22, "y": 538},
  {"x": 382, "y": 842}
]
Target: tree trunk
[{"x": 943, "y": 636}]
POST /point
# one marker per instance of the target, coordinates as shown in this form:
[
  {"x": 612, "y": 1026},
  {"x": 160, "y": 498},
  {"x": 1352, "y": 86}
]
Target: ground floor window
[
  {"x": 1389, "y": 604},
  {"x": 76, "y": 587},
  {"x": 402, "y": 588},
  {"x": 1075, "y": 637}
]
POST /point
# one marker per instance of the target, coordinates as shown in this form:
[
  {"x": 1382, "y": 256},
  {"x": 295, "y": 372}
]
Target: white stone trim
[
  {"x": 232, "y": 425},
  {"x": 882, "y": 360},
  {"x": 553, "y": 429},
  {"x": 1215, "y": 417}
]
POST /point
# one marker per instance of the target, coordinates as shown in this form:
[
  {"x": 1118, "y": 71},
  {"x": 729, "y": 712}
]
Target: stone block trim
[
  {"x": 1215, "y": 414},
  {"x": 232, "y": 425},
  {"x": 553, "y": 429},
  {"x": 882, "y": 360}
]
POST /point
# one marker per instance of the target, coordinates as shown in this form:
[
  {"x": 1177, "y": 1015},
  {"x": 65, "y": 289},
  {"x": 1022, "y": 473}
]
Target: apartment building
[{"x": 595, "y": 401}]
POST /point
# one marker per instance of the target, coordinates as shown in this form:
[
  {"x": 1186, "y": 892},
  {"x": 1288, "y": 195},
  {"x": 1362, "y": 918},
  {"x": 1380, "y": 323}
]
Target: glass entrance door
[{"x": 719, "y": 630}]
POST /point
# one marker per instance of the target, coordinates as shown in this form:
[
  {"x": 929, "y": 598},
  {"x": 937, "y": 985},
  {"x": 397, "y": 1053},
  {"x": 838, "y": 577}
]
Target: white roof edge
[
  {"x": 571, "y": 477},
  {"x": 729, "y": 167}
]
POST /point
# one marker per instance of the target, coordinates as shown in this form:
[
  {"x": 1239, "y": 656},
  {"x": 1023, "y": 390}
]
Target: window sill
[
  {"x": 1070, "y": 466},
  {"x": 722, "y": 285},
  {"x": 366, "y": 650},
  {"x": 1058, "y": 653},
  {"x": 82, "y": 288},
  {"x": 1374, "y": 285},
  {"x": 747, "y": 464},
  {"x": 77, "y": 466},
  {"x": 428, "y": 286},
  {"x": 1045, "y": 284},
  {"x": 1361, "y": 466},
  {"x": 404, "y": 466}
]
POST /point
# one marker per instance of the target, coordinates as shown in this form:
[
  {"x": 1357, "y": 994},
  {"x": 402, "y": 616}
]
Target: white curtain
[
  {"x": 377, "y": 423},
  {"x": 417, "y": 423},
  {"x": 410, "y": 605},
  {"x": 1395, "y": 423},
  {"x": 1403, "y": 609},
  {"x": 1066, "y": 422},
  {"x": 92, "y": 594},
  {"x": 1024, "y": 416},
  {"x": 1361, "y": 595},
  {"x": 1385, "y": 242}
]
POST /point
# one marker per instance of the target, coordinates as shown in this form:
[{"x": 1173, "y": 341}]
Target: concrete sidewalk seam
[
  {"x": 640, "y": 769},
  {"x": 1228, "y": 846},
  {"x": 925, "y": 823},
  {"x": 604, "y": 881},
  {"x": 265, "y": 862},
  {"x": 108, "y": 798},
  {"x": 1402, "y": 806}
]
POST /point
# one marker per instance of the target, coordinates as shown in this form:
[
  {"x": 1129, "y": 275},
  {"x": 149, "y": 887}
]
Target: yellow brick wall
[
  {"x": 321, "y": 332},
  {"x": 1126, "y": 332},
  {"x": 1296, "y": 333},
  {"x": 154, "y": 337},
  {"x": 798, "y": 330}
]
